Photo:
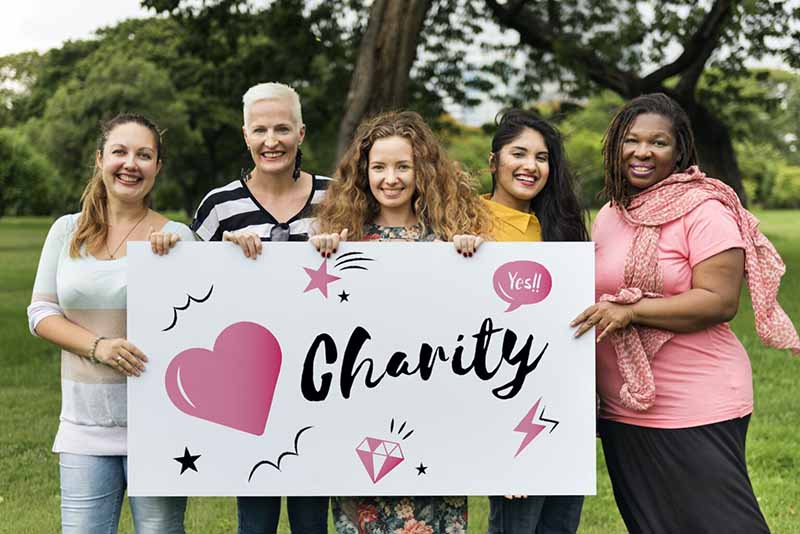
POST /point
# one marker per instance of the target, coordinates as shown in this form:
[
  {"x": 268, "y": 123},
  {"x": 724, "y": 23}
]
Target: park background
[{"x": 732, "y": 64}]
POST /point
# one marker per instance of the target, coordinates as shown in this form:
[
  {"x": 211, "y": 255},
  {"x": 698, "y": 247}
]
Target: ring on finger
[{"x": 118, "y": 359}]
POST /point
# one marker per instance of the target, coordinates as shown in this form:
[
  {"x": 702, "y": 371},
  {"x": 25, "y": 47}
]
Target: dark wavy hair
[
  {"x": 556, "y": 206},
  {"x": 616, "y": 184}
]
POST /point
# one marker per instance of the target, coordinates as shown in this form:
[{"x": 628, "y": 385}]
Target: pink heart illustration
[{"x": 233, "y": 384}]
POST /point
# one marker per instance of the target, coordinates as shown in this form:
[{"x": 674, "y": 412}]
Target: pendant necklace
[{"x": 111, "y": 254}]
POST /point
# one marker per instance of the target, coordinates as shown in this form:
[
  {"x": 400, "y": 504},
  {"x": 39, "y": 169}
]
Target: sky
[{"x": 43, "y": 24}]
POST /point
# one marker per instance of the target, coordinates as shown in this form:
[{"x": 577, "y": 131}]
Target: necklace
[{"x": 124, "y": 239}]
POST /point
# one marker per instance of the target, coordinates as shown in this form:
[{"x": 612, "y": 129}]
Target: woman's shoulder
[
  {"x": 711, "y": 208},
  {"x": 65, "y": 224},
  {"x": 179, "y": 228},
  {"x": 606, "y": 213},
  {"x": 223, "y": 193},
  {"x": 320, "y": 182}
]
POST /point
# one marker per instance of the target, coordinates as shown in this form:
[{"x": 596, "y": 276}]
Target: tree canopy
[{"x": 188, "y": 65}]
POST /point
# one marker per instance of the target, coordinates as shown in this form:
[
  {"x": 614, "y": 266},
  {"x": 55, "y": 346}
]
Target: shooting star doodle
[{"x": 348, "y": 261}]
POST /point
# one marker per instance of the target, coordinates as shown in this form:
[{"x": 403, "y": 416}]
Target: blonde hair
[
  {"x": 444, "y": 202},
  {"x": 92, "y": 227},
  {"x": 271, "y": 91}
]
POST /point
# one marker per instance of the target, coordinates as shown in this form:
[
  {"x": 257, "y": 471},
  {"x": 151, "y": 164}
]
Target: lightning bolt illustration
[
  {"x": 545, "y": 420},
  {"x": 528, "y": 427}
]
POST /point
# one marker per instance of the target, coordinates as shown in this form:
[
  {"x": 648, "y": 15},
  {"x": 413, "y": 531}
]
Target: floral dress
[
  {"x": 376, "y": 232},
  {"x": 399, "y": 515}
]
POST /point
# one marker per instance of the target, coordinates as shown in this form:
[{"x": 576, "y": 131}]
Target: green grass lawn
[{"x": 30, "y": 400}]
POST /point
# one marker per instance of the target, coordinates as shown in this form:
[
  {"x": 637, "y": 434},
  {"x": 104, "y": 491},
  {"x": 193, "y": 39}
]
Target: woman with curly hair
[{"x": 395, "y": 183}]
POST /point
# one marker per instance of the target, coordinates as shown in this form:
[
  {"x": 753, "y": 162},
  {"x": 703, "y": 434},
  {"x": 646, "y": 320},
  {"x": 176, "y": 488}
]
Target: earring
[{"x": 298, "y": 159}]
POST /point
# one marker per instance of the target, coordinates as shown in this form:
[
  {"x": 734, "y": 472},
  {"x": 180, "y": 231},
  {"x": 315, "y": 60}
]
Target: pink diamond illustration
[{"x": 379, "y": 457}]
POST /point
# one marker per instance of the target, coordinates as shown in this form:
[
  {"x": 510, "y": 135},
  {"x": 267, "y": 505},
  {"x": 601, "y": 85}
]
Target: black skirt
[{"x": 682, "y": 481}]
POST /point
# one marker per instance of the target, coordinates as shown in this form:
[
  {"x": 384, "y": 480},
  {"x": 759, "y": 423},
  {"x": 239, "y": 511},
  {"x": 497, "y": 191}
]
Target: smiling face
[
  {"x": 391, "y": 174},
  {"x": 521, "y": 168},
  {"x": 273, "y": 136},
  {"x": 129, "y": 162},
  {"x": 649, "y": 152}
]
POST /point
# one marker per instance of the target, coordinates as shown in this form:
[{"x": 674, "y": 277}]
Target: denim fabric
[
  {"x": 92, "y": 489},
  {"x": 259, "y": 515},
  {"x": 560, "y": 514}
]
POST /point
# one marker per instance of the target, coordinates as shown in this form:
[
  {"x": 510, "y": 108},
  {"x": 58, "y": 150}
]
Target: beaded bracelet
[{"x": 94, "y": 348}]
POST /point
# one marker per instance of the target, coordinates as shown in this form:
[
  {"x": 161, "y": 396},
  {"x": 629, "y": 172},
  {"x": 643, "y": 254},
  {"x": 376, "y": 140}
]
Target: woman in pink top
[{"x": 675, "y": 384}]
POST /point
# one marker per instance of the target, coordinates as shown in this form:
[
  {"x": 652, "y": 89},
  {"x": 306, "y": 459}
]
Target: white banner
[{"x": 387, "y": 369}]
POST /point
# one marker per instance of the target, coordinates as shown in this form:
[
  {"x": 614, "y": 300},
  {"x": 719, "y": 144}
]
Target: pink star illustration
[{"x": 320, "y": 278}]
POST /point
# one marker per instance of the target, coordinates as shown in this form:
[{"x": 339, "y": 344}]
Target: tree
[
  {"x": 68, "y": 127},
  {"x": 28, "y": 183},
  {"x": 387, "y": 51},
  {"x": 586, "y": 45},
  {"x": 188, "y": 71}
]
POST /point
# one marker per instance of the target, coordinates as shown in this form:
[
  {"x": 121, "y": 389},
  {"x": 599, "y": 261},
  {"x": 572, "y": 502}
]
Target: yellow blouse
[{"x": 511, "y": 224}]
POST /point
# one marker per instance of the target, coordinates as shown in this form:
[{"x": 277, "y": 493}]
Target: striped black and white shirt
[{"x": 233, "y": 207}]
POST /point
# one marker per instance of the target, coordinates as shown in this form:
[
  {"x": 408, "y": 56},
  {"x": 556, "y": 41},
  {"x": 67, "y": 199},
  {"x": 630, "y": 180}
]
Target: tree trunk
[
  {"x": 714, "y": 147},
  {"x": 387, "y": 52}
]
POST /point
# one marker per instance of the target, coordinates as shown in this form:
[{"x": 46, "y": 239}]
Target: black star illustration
[
  {"x": 187, "y": 460},
  {"x": 343, "y": 297},
  {"x": 422, "y": 469}
]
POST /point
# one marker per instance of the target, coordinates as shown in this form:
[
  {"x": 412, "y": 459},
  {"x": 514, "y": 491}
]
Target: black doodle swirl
[
  {"x": 277, "y": 464},
  {"x": 189, "y": 300}
]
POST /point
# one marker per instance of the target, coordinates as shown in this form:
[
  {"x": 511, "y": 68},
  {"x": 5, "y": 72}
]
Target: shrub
[{"x": 28, "y": 182}]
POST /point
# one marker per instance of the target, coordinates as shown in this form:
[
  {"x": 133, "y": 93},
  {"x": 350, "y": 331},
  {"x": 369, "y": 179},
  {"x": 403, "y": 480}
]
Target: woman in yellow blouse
[{"x": 532, "y": 199}]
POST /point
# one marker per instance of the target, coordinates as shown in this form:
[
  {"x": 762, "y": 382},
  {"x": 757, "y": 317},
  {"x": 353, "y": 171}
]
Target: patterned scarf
[{"x": 666, "y": 201}]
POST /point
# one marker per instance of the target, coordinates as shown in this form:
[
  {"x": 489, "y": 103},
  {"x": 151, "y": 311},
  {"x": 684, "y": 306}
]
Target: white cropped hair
[{"x": 272, "y": 90}]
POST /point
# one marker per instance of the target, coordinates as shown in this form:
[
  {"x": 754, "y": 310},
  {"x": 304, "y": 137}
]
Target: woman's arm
[
  {"x": 713, "y": 299},
  {"x": 118, "y": 353}
]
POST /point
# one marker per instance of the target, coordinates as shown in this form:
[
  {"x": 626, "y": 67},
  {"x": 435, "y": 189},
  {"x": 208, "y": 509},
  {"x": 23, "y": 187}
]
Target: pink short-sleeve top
[{"x": 702, "y": 377}]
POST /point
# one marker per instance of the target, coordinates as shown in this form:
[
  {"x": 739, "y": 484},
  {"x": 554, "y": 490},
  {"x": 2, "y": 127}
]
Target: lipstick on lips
[{"x": 640, "y": 170}]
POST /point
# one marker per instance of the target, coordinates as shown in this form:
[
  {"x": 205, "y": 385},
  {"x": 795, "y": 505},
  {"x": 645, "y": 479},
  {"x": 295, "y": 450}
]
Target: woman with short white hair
[{"x": 274, "y": 201}]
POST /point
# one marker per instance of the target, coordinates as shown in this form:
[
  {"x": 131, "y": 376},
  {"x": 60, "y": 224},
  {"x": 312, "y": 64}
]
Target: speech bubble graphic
[
  {"x": 522, "y": 282},
  {"x": 232, "y": 385}
]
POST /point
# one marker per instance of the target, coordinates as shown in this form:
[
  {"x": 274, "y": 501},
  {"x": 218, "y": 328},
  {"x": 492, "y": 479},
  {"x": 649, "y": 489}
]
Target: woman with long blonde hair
[
  {"x": 395, "y": 182},
  {"x": 79, "y": 304}
]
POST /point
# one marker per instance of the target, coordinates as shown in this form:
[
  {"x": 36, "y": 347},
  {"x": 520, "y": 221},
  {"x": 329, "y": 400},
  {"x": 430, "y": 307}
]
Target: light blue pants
[{"x": 92, "y": 489}]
